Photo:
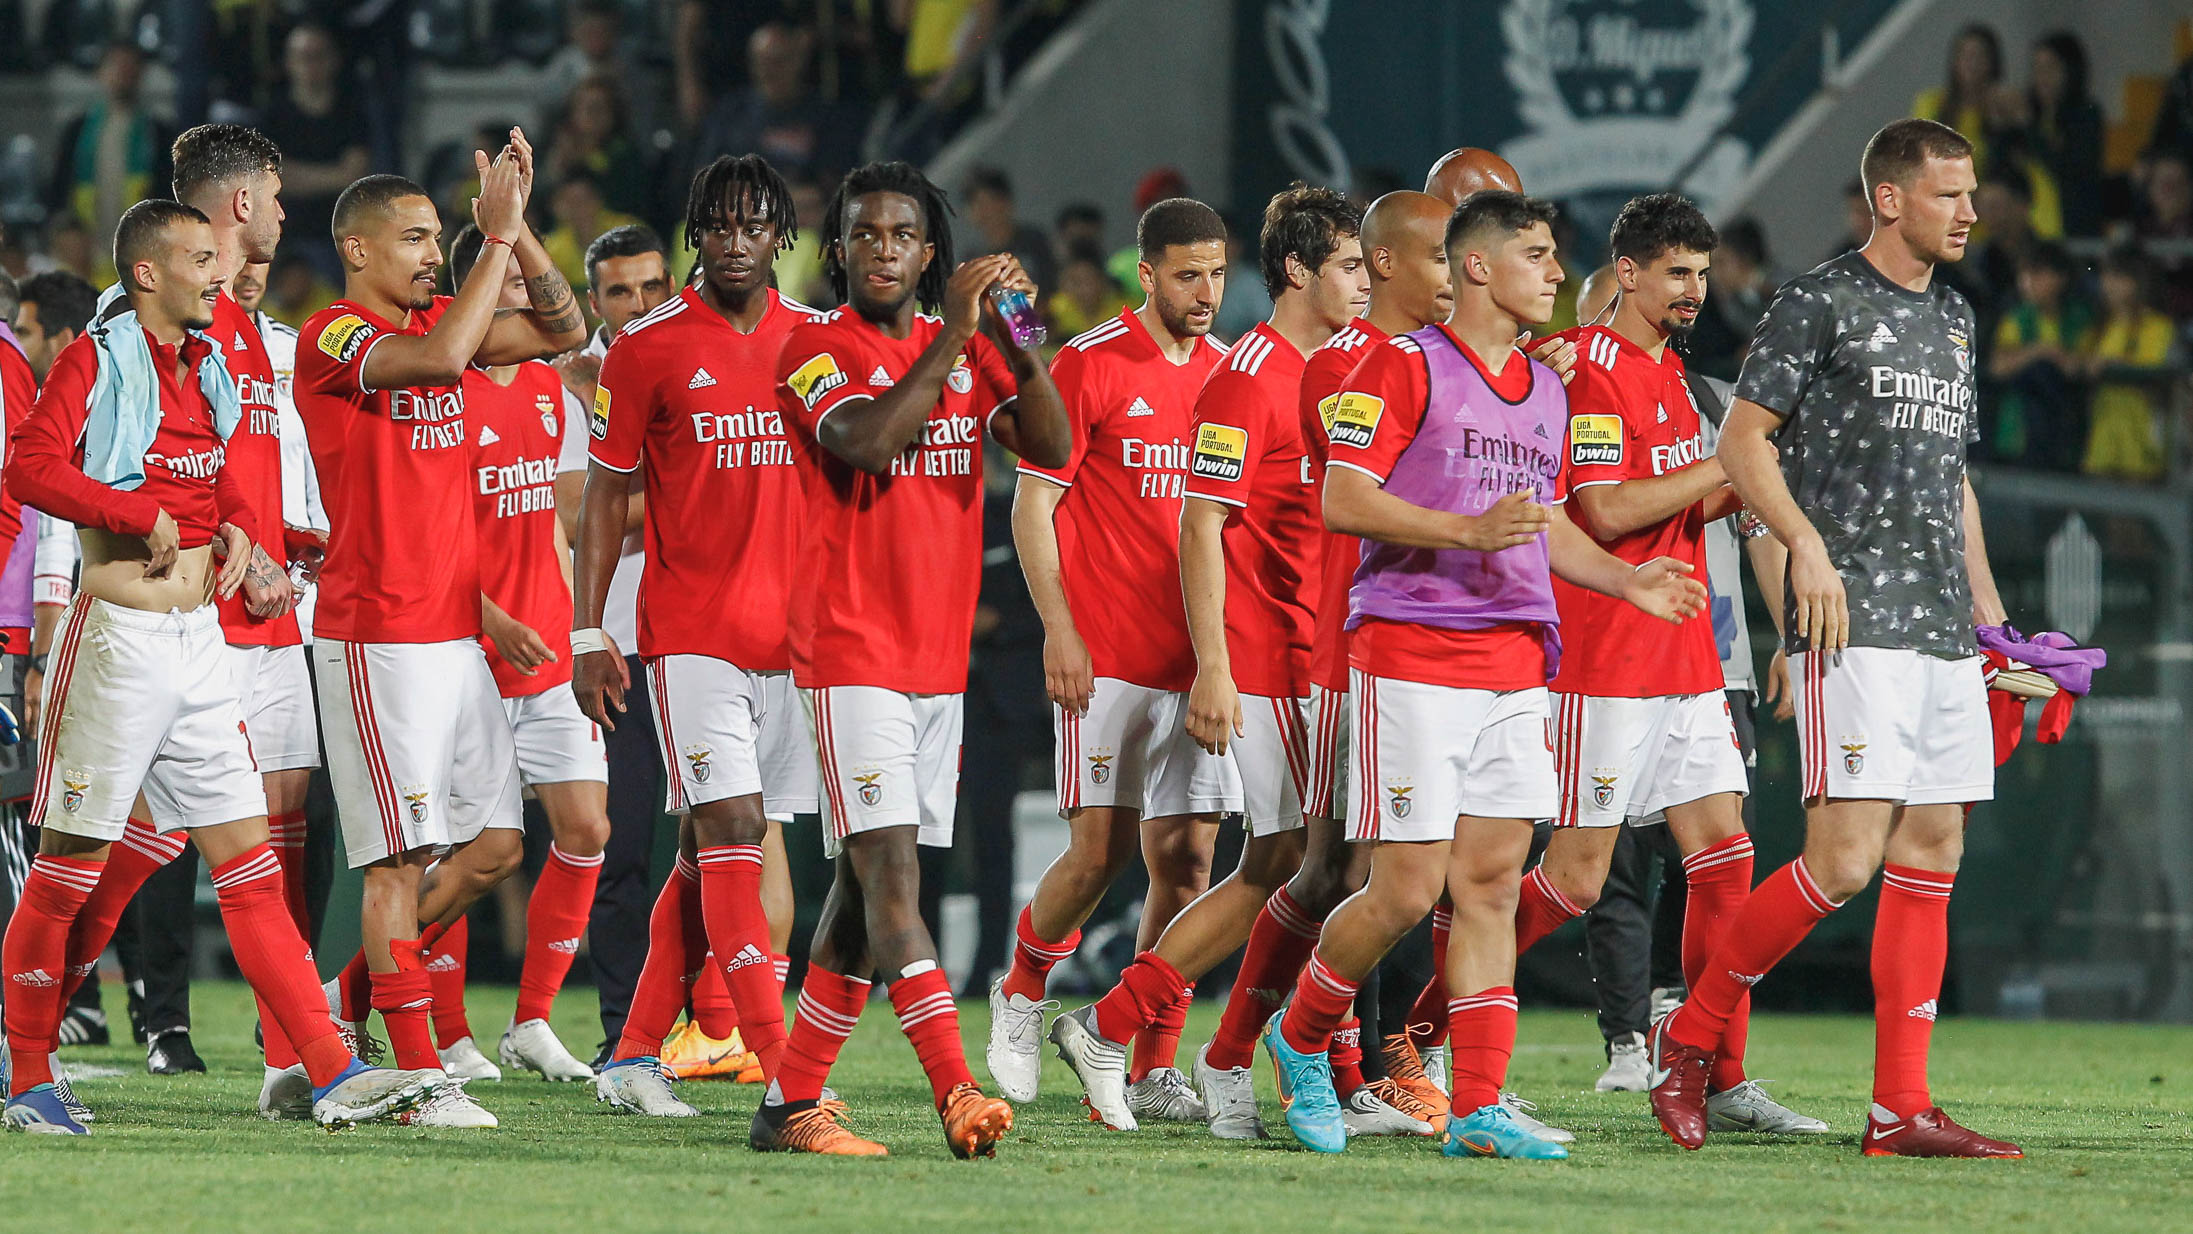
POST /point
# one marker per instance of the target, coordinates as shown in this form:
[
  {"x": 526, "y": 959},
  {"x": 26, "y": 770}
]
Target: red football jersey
[
  {"x": 687, "y": 393},
  {"x": 1119, "y": 523},
  {"x": 1322, "y": 376},
  {"x": 1504, "y": 657},
  {"x": 255, "y": 456},
  {"x": 518, "y": 435},
  {"x": 18, "y": 394},
  {"x": 1630, "y": 418},
  {"x": 402, "y": 555},
  {"x": 888, "y": 565},
  {"x": 1250, "y": 454}
]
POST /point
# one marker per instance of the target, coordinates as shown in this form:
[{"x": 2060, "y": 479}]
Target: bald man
[
  {"x": 1596, "y": 295},
  {"x": 1459, "y": 173}
]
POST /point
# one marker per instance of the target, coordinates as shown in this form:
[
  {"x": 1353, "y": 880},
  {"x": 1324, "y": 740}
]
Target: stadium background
[{"x": 1052, "y": 119}]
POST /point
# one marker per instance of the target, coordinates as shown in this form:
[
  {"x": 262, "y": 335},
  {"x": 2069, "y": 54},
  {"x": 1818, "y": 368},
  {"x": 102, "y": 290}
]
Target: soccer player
[
  {"x": 419, "y": 749},
  {"x": 1443, "y": 439},
  {"x": 888, "y": 406},
  {"x": 1641, "y": 722},
  {"x": 1249, "y": 553},
  {"x": 688, "y": 398},
  {"x": 1099, "y": 542},
  {"x": 1848, "y": 437},
  {"x": 143, "y": 697},
  {"x": 523, "y": 433}
]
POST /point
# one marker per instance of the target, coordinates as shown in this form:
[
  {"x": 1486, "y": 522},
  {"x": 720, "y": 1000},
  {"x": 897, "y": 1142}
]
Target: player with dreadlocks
[
  {"x": 687, "y": 396},
  {"x": 887, "y": 407}
]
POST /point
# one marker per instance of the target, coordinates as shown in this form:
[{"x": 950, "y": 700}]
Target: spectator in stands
[
  {"x": 1990, "y": 277},
  {"x": 799, "y": 268},
  {"x": 2128, "y": 358},
  {"x": 1974, "y": 76},
  {"x": 2173, "y": 132},
  {"x": 594, "y": 136},
  {"x": 295, "y": 288},
  {"x": 1156, "y": 185},
  {"x": 1246, "y": 302},
  {"x": 1086, "y": 294},
  {"x": 2168, "y": 217},
  {"x": 986, "y": 199},
  {"x": 1078, "y": 223},
  {"x": 2056, "y": 131},
  {"x": 325, "y": 139},
  {"x": 111, "y": 157},
  {"x": 2038, "y": 359},
  {"x": 594, "y": 48},
  {"x": 579, "y": 214},
  {"x": 69, "y": 247},
  {"x": 1857, "y": 221},
  {"x": 942, "y": 38},
  {"x": 1741, "y": 287},
  {"x": 779, "y": 116}
]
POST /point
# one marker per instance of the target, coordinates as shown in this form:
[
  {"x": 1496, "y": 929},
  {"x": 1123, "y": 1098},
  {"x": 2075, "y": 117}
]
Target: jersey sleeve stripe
[
  {"x": 1334, "y": 462},
  {"x": 842, "y": 401},
  {"x": 1097, "y": 334},
  {"x": 1235, "y": 502},
  {"x": 1046, "y": 477},
  {"x": 598, "y": 461},
  {"x": 366, "y": 355},
  {"x": 661, "y": 312}
]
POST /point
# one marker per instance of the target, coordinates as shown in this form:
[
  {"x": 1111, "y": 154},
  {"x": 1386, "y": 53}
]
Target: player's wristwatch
[{"x": 38, "y": 662}]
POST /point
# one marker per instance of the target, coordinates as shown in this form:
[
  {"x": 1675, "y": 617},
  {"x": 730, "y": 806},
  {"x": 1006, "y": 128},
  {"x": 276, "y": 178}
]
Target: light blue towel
[{"x": 125, "y": 397}]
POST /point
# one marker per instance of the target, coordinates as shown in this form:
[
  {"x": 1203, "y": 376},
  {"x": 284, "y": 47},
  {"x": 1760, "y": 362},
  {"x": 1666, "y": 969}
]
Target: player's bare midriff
[{"x": 114, "y": 571}]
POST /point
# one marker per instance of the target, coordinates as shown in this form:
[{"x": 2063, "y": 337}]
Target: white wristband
[{"x": 588, "y": 640}]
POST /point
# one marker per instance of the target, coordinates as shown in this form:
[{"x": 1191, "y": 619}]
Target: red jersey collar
[{"x": 1512, "y": 383}]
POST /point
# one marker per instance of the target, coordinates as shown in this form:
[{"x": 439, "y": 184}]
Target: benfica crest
[
  {"x": 1854, "y": 756},
  {"x": 1602, "y": 790},
  {"x": 870, "y": 791}
]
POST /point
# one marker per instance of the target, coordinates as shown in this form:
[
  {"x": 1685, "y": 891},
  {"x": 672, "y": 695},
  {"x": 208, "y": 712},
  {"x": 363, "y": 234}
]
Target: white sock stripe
[
  {"x": 67, "y": 875},
  {"x": 1047, "y": 951},
  {"x": 686, "y": 868},
  {"x": 829, "y": 1021},
  {"x": 1806, "y": 887},
  {"x": 1332, "y": 982},
  {"x": 1442, "y": 919},
  {"x": 730, "y": 855},
  {"x": 1476, "y": 1001},
  {"x": 1291, "y": 917},
  {"x": 908, "y": 1021},
  {"x": 1709, "y": 859},
  {"x": 1546, "y": 888},
  {"x": 927, "y": 1001},
  {"x": 1915, "y": 886},
  {"x": 573, "y": 859},
  {"x": 265, "y": 865}
]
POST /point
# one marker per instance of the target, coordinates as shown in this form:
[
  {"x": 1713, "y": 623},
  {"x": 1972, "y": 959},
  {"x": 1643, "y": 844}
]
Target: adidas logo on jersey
[
  {"x": 701, "y": 380},
  {"x": 880, "y": 379},
  {"x": 1882, "y": 335},
  {"x": 748, "y": 956},
  {"x": 37, "y": 979},
  {"x": 1663, "y": 416},
  {"x": 1140, "y": 408},
  {"x": 488, "y": 436}
]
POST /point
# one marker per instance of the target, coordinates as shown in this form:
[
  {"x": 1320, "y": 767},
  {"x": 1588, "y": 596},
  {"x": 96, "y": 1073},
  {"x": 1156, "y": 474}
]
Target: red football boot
[
  {"x": 1679, "y": 1077},
  {"x": 1929, "y": 1133}
]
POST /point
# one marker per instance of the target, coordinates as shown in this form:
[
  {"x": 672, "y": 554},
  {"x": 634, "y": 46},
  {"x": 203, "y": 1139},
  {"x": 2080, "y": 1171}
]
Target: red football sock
[
  {"x": 829, "y": 1006},
  {"x": 782, "y": 964},
  {"x": 555, "y": 918},
  {"x": 1146, "y": 988},
  {"x": 35, "y": 957},
  {"x": 1158, "y": 1044},
  {"x": 286, "y": 835},
  {"x": 131, "y": 860},
  {"x": 354, "y": 989},
  {"x": 1481, "y": 1032},
  {"x": 1540, "y": 910},
  {"x": 738, "y": 934},
  {"x": 709, "y": 1001},
  {"x": 402, "y": 998},
  {"x": 1033, "y": 957},
  {"x": 1910, "y": 946},
  {"x": 1279, "y": 944},
  {"x": 1720, "y": 878},
  {"x": 1322, "y": 999},
  {"x": 445, "y": 974},
  {"x": 676, "y": 945},
  {"x": 1346, "y": 1056},
  {"x": 1428, "y": 1015},
  {"x": 1780, "y": 912},
  {"x": 930, "y": 1019},
  {"x": 274, "y": 960}
]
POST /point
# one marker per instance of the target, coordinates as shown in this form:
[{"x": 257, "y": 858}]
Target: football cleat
[
  {"x": 1520, "y": 1110},
  {"x": 1679, "y": 1076},
  {"x": 640, "y": 1086},
  {"x": 449, "y": 1106},
  {"x": 810, "y": 1128},
  {"x": 1929, "y": 1133},
  {"x": 1436, "y": 1067},
  {"x": 83, "y": 1026},
  {"x": 77, "y": 1109},
  {"x": 1364, "y": 1113},
  {"x": 39, "y": 1111},
  {"x": 285, "y": 1093},
  {"x": 1016, "y": 1042},
  {"x": 1405, "y": 1067},
  {"x": 464, "y": 1062},
  {"x": 1101, "y": 1066},
  {"x": 1229, "y": 1100},
  {"x": 1747, "y": 1107},
  {"x": 1306, "y": 1095},
  {"x": 1165, "y": 1095},
  {"x": 1404, "y": 1101},
  {"x": 691, "y": 1054},
  {"x": 533, "y": 1046},
  {"x": 170, "y": 1052},
  {"x": 974, "y": 1122},
  {"x": 1628, "y": 1070},
  {"x": 363, "y": 1094},
  {"x": 1491, "y": 1131}
]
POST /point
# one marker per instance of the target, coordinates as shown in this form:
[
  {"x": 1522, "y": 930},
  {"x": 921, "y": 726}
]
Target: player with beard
[
  {"x": 143, "y": 697},
  {"x": 888, "y": 406},
  {"x": 1099, "y": 542},
  {"x": 1249, "y": 553},
  {"x": 688, "y": 399},
  {"x": 419, "y": 749},
  {"x": 1848, "y": 437}
]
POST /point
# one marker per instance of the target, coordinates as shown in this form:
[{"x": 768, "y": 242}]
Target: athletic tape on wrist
[{"x": 589, "y": 639}]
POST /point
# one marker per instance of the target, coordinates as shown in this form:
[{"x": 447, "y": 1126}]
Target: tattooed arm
[
  {"x": 554, "y": 321},
  {"x": 268, "y": 593}
]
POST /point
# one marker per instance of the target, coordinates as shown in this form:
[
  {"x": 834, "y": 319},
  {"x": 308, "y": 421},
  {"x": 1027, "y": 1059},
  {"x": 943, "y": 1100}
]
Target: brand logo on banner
[{"x": 1619, "y": 94}]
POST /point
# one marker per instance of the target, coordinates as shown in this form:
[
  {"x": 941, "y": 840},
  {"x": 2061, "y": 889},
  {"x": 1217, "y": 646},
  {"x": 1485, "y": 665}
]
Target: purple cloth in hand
[{"x": 2049, "y": 653}]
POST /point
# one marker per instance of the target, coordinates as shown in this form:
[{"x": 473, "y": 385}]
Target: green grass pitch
[{"x": 2101, "y": 1109}]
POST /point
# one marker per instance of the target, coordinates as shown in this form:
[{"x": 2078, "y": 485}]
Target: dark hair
[
  {"x": 1083, "y": 252},
  {"x": 369, "y": 194},
  {"x": 11, "y": 297},
  {"x": 1491, "y": 211},
  {"x": 1177, "y": 220},
  {"x": 2049, "y": 256},
  {"x": 906, "y": 180},
  {"x": 620, "y": 107},
  {"x": 142, "y": 226},
  {"x": 1304, "y": 223},
  {"x": 1656, "y": 224},
  {"x": 719, "y": 188},
  {"x": 2128, "y": 261},
  {"x": 630, "y": 240},
  {"x": 1745, "y": 240},
  {"x": 464, "y": 253},
  {"x": 986, "y": 179},
  {"x": 2010, "y": 179},
  {"x": 1952, "y": 102},
  {"x": 2067, "y": 48},
  {"x": 211, "y": 156},
  {"x": 1074, "y": 212},
  {"x": 1902, "y": 147},
  {"x": 65, "y": 301}
]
